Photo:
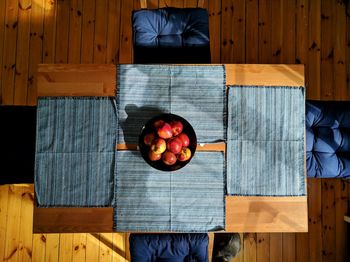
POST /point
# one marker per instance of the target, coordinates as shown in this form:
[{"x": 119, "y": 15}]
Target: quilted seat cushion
[
  {"x": 169, "y": 247},
  {"x": 171, "y": 35},
  {"x": 328, "y": 139}
]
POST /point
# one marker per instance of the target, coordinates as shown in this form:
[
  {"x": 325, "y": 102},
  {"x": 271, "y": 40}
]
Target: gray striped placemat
[
  {"x": 265, "y": 147},
  {"x": 75, "y": 151},
  {"x": 197, "y": 93},
  {"x": 187, "y": 200}
]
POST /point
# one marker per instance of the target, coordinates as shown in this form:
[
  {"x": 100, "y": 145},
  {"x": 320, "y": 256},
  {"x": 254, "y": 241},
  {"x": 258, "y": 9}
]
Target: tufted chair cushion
[
  {"x": 169, "y": 247},
  {"x": 328, "y": 139},
  {"x": 171, "y": 35}
]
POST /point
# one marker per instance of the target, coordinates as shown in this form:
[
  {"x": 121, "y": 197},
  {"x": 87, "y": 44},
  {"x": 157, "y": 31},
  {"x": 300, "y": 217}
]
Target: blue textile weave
[
  {"x": 265, "y": 147},
  {"x": 190, "y": 199},
  {"x": 196, "y": 93},
  {"x": 75, "y": 151}
]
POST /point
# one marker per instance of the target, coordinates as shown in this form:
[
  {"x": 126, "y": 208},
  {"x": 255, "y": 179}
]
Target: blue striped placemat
[
  {"x": 197, "y": 93},
  {"x": 75, "y": 151},
  {"x": 265, "y": 141},
  {"x": 187, "y": 200}
]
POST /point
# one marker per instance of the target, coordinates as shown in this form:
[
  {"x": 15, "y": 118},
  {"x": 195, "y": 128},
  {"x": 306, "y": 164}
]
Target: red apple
[
  {"x": 174, "y": 145},
  {"x": 176, "y": 127},
  {"x": 148, "y": 139},
  {"x": 153, "y": 156},
  {"x": 169, "y": 158},
  {"x": 158, "y": 145},
  {"x": 164, "y": 131},
  {"x": 185, "y": 154},
  {"x": 185, "y": 140},
  {"x": 158, "y": 123}
]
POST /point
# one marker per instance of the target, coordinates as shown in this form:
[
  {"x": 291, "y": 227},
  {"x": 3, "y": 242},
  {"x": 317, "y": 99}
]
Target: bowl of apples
[{"x": 167, "y": 142}]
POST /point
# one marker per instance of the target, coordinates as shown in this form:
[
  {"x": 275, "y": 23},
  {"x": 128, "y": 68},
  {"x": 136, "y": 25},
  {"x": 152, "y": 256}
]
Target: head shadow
[{"x": 136, "y": 118}]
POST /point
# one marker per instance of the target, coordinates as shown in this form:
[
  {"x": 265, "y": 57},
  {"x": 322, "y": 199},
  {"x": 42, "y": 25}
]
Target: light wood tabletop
[{"x": 243, "y": 213}]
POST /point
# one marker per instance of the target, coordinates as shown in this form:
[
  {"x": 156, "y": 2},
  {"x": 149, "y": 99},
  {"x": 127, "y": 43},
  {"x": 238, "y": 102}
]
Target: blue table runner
[
  {"x": 191, "y": 199},
  {"x": 197, "y": 93},
  {"x": 75, "y": 150},
  {"x": 265, "y": 144}
]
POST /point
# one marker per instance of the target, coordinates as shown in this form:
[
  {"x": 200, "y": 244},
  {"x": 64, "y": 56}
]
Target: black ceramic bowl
[{"x": 149, "y": 128}]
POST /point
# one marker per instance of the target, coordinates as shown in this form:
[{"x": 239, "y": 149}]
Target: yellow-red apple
[
  {"x": 153, "y": 156},
  {"x": 164, "y": 131},
  {"x": 176, "y": 127},
  {"x": 158, "y": 145},
  {"x": 185, "y": 154},
  {"x": 169, "y": 158}
]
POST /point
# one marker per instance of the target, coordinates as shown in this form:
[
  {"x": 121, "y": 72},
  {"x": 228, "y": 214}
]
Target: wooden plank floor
[{"x": 311, "y": 32}]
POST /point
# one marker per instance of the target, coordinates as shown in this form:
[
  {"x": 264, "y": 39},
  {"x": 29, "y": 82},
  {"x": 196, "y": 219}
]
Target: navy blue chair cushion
[
  {"x": 169, "y": 247},
  {"x": 17, "y": 144},
  {"x": 328, "y": 139},
  {"x": 171, "y": 35}
]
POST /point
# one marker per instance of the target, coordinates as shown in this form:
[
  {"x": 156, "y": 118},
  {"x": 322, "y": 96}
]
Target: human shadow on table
[{"x": 136, "y": 118}]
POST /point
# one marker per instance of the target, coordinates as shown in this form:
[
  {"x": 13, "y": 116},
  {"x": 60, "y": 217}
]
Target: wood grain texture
[
  {"x": 327, "y": 49},
  {"x": 276, "y": 32},
  {"x": 328, "y": 220},
  {"x": 36, "y": 49},
  {"x": 125, "y": 56},
  {"x": 100, "y": 41},
  {"x": 62, "y": 31},
  {"x": 339, "y": 38},
  {"x": 2, "y": 31},
  {"x": 9, "y": 52},
  {"x": 249, "y": 243},
  {"x": 252, "y": 31},
  {"x": 215, "y": 30},
  {"x": 301, "y": 36},
  {"x": 227, "y": 22},
  {"x": 315, "y": 219},
  {"x": 3, "y": 218},
  {"x": 22, "y": 52},
  {"x": 57, "y": 220},
  {"x": 113, "y": 48},
  {"x": 288, "y": 32},
  {"x": 266, "y": 214},
  {"x": 88, "y": 32},
  {"x": 265, "y": 29},
  {"x": 12, "y": 245},
  {"x": 341, "y": 207},
  {"x": 75, "y": 28},
  {"x": 263, "y": 247},
  {"x": 26, "y": 224},
  {"x": 265, "y": 75},
  {"x": 49, "y": 36},
  {"x": 39, "y": 248},
  {"x": 76, "y": 80},
  {"x": 314, "y": 51}
]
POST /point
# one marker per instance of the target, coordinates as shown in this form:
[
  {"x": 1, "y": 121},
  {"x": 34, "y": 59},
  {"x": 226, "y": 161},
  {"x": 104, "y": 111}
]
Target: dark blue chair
[
  {"x": 17, "y": 147},
  {"x": 328, "y": 139},
  {"x": 169, "y": 247},
  {"x": 171, "y": 35}
]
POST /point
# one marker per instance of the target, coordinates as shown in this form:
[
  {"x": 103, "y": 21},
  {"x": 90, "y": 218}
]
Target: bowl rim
[{"x": 159, "y": 165}]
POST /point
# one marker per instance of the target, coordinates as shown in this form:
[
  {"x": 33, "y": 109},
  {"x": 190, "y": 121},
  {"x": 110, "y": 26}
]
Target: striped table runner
[
  {"x": 75, "y": 151},
  {"x": 197, "y": 93},
  {"x": 187, "y": 200},
  {"x": 265, "y": 147}
]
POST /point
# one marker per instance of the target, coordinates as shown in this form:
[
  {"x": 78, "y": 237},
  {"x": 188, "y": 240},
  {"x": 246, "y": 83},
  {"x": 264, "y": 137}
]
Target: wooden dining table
[{"x": 243, "y": 213}]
